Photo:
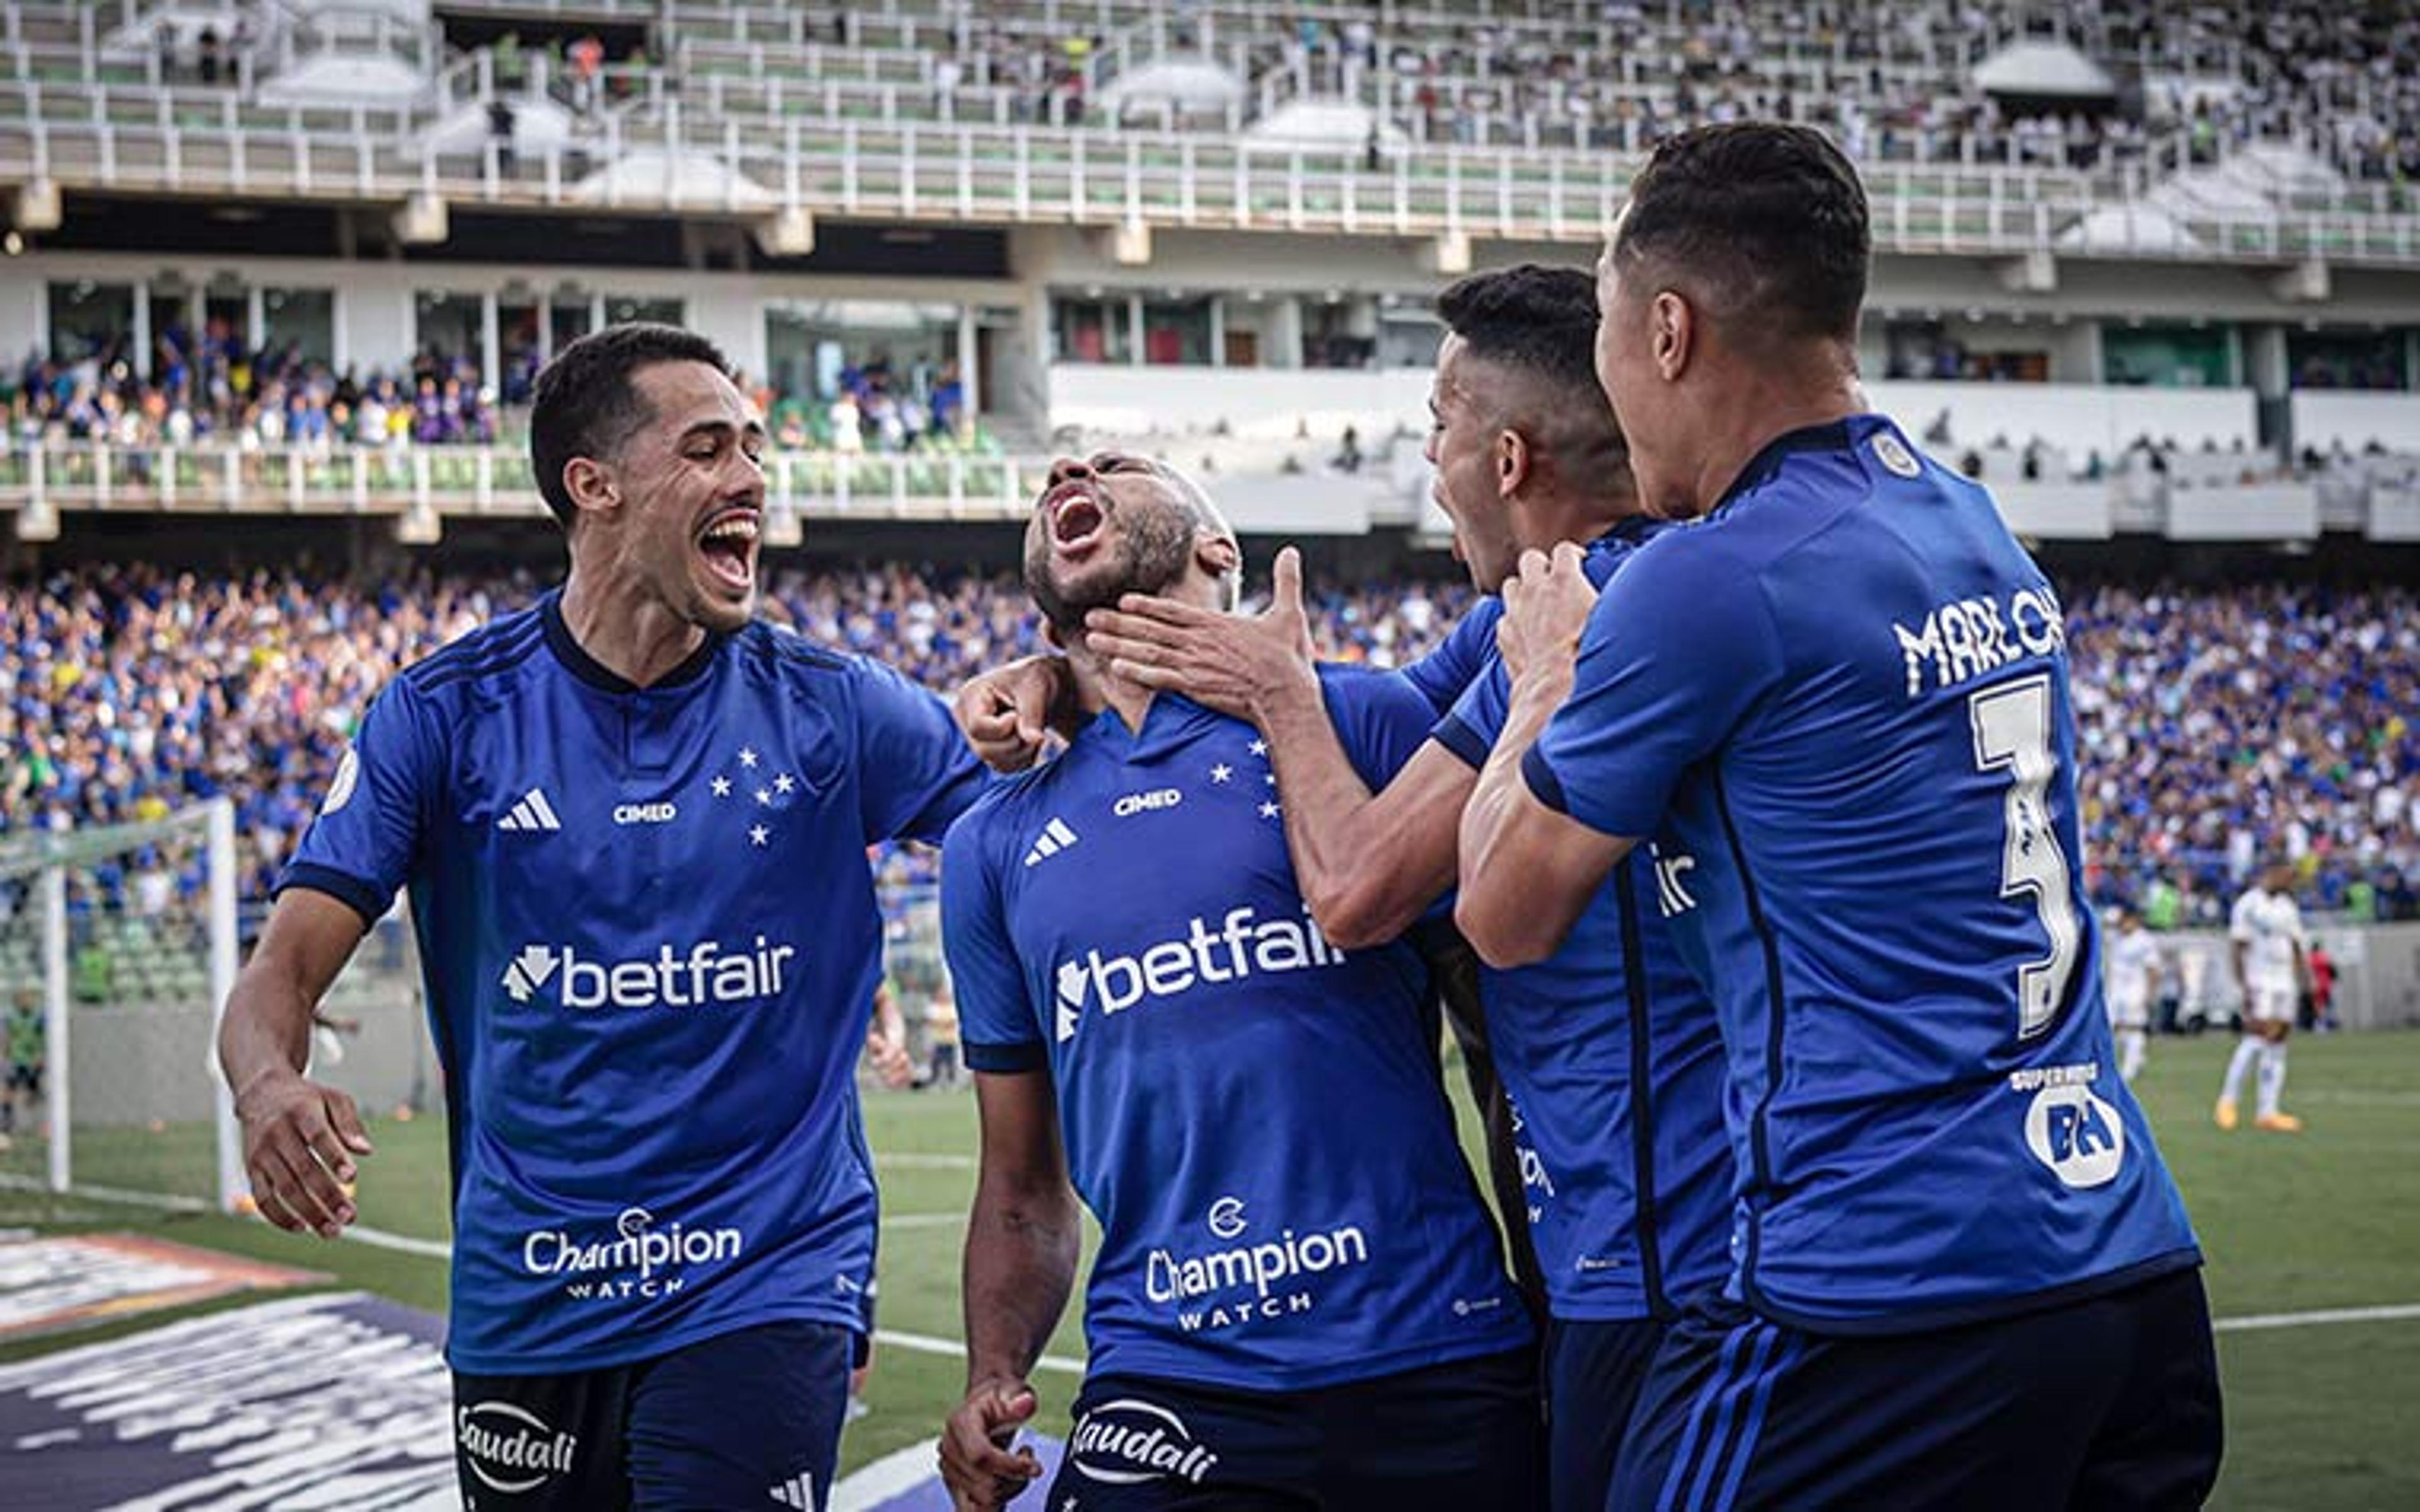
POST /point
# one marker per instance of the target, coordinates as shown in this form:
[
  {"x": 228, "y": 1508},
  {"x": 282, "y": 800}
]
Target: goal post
[{"x": 125, "y": 935}]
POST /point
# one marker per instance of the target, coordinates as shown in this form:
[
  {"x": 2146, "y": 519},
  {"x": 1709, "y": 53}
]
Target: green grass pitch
[{"x": 2320, "y": 1417}]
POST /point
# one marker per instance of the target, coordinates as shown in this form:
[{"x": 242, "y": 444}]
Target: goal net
[{"x": 117, "y": 948}]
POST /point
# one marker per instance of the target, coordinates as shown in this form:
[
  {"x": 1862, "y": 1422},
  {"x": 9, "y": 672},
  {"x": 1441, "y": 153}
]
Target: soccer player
[
  {"x": 1298, "y": 1298},
  {"x": 1608, "y": 1049},
  {"x": 1837, "y": 704},
  {"x": 2133, "y": 983},
  {"x": 2272, "y": 969},
  {"x": 633, "y": 821}
]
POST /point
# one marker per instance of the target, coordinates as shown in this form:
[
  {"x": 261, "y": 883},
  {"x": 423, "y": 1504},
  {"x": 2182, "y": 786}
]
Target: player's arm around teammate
[
  {"x": 1021, "y": 1265},
  {"x": 1527, "y": 870}
]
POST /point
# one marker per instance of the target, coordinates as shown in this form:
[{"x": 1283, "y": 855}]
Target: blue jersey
[
  {"x": 1611, "y": 1056},
  {"x": 1255, "y": 1117},
  {"x": 649, "y": 937},
  {"x": 1840, "y": 702},
  {"x": 1457, "y": 661}
]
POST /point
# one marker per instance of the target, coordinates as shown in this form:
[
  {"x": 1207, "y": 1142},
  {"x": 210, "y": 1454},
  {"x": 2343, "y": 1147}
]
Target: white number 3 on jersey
[{"x": 2012, "y": 733}]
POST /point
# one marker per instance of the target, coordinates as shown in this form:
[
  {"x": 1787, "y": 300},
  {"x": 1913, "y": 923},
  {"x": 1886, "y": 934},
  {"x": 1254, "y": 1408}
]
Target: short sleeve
[
  {"x": 915, "y": 772},
  {"x": 1679, "y": 647},
  {"x": 1380, "y": 720},
  {"x": 359, "y": 848},
  {"x": 997, "y": 1029},
  {"x": 1470, "y": 730},
  {"x": 1442, "y": 674}
]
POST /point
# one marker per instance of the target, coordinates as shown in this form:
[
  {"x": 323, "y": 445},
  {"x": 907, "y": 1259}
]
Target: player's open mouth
[
  {"x": 1076, "y": 515},
  {"x": 728, "y": 544}
]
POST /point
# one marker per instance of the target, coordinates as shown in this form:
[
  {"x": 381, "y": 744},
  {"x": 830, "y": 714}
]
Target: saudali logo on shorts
[
  {"x": 1129, "y": 1441},
  {"x": 511, "y": 1449}
]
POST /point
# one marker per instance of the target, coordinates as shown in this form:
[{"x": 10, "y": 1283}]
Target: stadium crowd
[
  {"x": 217, "y": 389},
  {"x": 2218, "y": 728},
  {"x": 1892, "y": 83}
]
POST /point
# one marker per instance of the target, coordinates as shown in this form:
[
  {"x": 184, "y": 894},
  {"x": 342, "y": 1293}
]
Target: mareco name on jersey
[
  {"x": 650, "y": 940},
  {"x": 1843, "y": 694},
  {"x": 1255, "y": 1117}
]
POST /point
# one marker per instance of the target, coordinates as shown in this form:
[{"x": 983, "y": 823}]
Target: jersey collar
[
  {"x": 1171, "y": 720},
  {"x": 603, "y": 678},
  {"x": 1832, "y": 436}
]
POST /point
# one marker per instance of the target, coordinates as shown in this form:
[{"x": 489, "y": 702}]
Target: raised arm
[
  {"x": 1022, "y": 1247},
  {"x": 299, "y": 1138}
]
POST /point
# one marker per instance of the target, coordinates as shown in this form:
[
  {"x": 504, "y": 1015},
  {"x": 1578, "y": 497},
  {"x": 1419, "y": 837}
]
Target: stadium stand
[
  {"x": 2148, "y": 272},
  {"x": 2221, "y": 726}
]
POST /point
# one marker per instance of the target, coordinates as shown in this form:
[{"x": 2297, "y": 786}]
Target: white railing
[
  {"x": 494, "y": 481},
  {"x": 474, "y": 481},
  {"x": 969, "y": 174}
]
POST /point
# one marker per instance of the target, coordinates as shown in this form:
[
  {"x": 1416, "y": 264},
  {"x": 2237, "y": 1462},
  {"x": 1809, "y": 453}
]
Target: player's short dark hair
[
  {"x": 1770, "y": 219},
  {"x": 584, "y": 403},
  {"x": 1542, "y": 322},
  {"x": 1539, "y": 318}
]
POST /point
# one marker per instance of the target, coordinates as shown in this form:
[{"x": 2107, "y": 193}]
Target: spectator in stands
[
  {"x": 2289, "y": 714},
  {"x": 500, "y": 132},
  {"x": 27, "y": 1035}
]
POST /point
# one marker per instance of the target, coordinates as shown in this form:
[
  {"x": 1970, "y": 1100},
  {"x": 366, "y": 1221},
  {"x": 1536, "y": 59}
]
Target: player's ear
[
  {"x": 1222, "y": 558},
  {"x": 1514, "y": 460},
  {"x": 1672, "y": 333},
  {"x": 592, "y": 486}
]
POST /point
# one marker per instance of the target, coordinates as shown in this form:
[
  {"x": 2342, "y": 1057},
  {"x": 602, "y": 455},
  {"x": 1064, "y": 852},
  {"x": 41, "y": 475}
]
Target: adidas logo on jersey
[
  {"x": 1240, "y": 948},
  {"x": 1055, "y": 836},
  {"x": 532, "y": 812},
  {"x": 797, "y": 1491}
]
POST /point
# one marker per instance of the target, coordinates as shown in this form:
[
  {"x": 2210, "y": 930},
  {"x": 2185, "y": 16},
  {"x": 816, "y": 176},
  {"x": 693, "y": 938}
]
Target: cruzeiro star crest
[{"x": 755, "y": 790}]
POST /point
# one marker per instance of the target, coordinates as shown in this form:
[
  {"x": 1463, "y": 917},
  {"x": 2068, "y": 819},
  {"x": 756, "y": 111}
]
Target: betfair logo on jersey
[
  {"x": 706, "y": 976},
  {"x": 1239, "y": 948}
]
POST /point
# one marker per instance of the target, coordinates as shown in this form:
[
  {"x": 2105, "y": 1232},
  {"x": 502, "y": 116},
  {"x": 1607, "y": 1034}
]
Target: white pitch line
[
  {"x": 894, "y": 1473},
  {"x": 923, "y": 1220},
  {"x": 434, "y": 1249},
  {"x": 158, "y": 1201},
  {"x": 2314, "y": 1319},
  {"x": 912, "y": 1159}
]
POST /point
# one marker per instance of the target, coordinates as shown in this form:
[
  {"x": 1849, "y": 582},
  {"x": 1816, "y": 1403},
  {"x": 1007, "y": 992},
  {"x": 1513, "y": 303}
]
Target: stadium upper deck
[
  {"x": 2236, "y": 133},
  {"x": 2124, "y": 251}
]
